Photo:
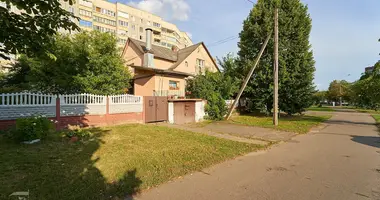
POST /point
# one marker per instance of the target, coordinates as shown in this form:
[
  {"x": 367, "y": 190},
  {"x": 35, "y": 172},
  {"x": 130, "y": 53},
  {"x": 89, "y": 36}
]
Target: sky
[{"x": 344, "y": 36}]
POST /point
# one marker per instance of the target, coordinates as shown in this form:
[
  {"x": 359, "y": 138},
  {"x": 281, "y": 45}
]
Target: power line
[
  {"x": 250, "y": 1},
  {"x": 223, "y": 41}
]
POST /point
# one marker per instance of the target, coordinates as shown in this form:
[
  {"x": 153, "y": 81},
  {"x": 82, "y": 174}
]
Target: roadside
[{"x": 341, "y": 161}]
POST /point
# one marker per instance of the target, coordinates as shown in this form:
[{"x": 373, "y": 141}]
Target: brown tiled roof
[
  {"x": 158, "y": 51},
  {"x": 164, "y": 53},
  {"x": 184, "y": 53}
]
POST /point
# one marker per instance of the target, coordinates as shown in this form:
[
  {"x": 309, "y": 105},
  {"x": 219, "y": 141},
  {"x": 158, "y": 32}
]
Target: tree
[
  {"x": 215, "y": 87},
  {"x": 365, "y": 91},
  {"x": 296, "y": 62},
  {"x": 87, "y": 62},
  {"x": 319, "y": 97},
  {"x": 30, "y": 30},
  {"x": 339, "y": 89}
]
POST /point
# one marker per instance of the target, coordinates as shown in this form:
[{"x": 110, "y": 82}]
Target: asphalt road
[{"x": 340, "y": 161}]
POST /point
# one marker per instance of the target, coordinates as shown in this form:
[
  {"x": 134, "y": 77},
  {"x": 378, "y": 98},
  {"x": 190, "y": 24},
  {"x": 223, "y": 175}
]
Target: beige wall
[
  {"x": 145, "y": 86},
  {"x": 162, "y": 64},
  {"x": 132, "y": 58},
  {"x": 199, "y": 53},
  {"x": 162, "y": 82}
]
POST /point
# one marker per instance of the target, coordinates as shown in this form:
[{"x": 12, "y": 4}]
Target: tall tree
[
  {"x": 86, "y": 62},
  {"x": 296, "y": 62},
  {"x": 29, "y": 30},
  {"x": 339, "y": 89}
]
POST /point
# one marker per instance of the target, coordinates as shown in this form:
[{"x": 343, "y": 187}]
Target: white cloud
[{"x": 168, "y": 9}]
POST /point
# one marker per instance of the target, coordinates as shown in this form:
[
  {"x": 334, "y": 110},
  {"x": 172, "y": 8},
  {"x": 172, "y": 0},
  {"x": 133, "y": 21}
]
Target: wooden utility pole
[
  {"x": 275, "y": 70},
  {"x": 248, "y": 77}
]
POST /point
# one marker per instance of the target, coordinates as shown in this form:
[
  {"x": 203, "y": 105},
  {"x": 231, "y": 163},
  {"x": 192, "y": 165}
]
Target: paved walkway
[{"x": 341, "y": 161}]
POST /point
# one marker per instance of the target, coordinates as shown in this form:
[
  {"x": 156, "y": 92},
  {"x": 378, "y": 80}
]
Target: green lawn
[
  {"x": 296, "y": 124},
  {"x": 367, "y": 111},
  {"x": 316, "y": 108},
  {"x": 377, "y": 118},
  {"x": 114, "y": 162}
]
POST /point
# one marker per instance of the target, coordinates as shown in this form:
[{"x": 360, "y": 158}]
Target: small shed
[{"x": 182, "y": 111}]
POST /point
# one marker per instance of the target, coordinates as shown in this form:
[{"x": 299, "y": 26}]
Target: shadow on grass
[{"x": 58, "y": 169}]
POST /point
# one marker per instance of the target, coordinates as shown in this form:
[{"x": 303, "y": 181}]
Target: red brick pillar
[{"x": 57, "y": 114}]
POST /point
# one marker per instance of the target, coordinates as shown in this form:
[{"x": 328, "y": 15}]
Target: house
[{"x": 159, "y": 71}]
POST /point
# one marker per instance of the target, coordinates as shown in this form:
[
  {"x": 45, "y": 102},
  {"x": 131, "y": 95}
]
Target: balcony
[
  {"x": 169, "y": 93},
  {"x": 85, "y": 3}
]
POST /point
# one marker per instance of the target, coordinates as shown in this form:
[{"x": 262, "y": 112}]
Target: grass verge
[
  {"x": 367, "y": 111},
  {"x": 296, "y": 124},
  {"x": 113, "y": 162},
  {"x": 316, "y": 108}
]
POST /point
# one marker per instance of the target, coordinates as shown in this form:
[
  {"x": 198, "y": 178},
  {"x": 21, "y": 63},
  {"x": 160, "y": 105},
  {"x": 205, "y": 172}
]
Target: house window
[
  {"x": 71, "y": 9},
  {"x": 85, "y": 23},
  {"x": 200, "y": 64},
  {"x": 85, "y": 13},
  {"x": 123, "y": 23},
  {"x": 186, "y": 64},
  {"x": 141, "y": 37},
  {"x": 134, "y": 27},
  {"x": 173, "y": 85},
  {"x": 141, "y": 29}
]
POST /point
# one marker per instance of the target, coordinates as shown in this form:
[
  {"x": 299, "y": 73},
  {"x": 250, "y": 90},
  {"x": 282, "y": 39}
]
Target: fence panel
[
  {"x": 26, "y": 104},
  {"x": 82, "y": 104},
  {"x": 125, "y": 104}
]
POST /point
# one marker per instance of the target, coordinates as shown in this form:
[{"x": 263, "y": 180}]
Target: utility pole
[
  {"x": 248, "y": 77},
  {"x": 275, "y": 70}
]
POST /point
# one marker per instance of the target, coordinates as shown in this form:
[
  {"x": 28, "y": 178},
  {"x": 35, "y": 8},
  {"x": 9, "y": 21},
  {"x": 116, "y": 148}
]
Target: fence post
[{"x": 57, "y": 113}]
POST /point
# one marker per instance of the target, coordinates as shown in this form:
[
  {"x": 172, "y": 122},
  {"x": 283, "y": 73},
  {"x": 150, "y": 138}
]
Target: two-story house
[{"x": 160, "y": 71}]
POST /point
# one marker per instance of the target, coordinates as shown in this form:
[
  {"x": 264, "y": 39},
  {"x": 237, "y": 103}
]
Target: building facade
[{"x": 126, "y": 22}]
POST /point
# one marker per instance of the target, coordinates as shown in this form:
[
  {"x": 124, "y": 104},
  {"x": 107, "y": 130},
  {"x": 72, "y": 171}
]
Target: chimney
[
  {"x": 148, "y": 55},
  {"x": 148, "y": 39}
]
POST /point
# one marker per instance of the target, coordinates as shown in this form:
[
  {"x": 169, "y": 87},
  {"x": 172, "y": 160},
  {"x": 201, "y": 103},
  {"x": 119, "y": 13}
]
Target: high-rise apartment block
[{"x": 125, "y": 21}]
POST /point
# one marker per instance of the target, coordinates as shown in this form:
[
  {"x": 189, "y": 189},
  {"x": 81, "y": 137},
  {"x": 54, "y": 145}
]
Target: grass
[
  {"x": 377, "y": 118},
  {"x": 296, "y": 124},
  {"x": 114, "y": 162},
  {"x": 367, "y": 111},
  {"x": 316, "y": 108}
]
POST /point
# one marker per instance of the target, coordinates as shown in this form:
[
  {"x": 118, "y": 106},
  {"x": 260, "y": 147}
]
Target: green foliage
[
  {"x": 31, "y": 128},
  {"x": 296, "y": 62},
  {"x": 365, "y": 92},
  {"x": 76, "y": 131},
  {"x": 319, "y": 97},
  {"x": 339, "y": 89},
  {"x": 29, "y": 31},
  {"x": 215, "y": 87},
  {"x": 87, "y": 62}
]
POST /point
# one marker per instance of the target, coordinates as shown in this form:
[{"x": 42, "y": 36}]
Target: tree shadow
[
  {"x": 343, "y": 122},
  {"x": 59, "y": 169},
  {"x": 372, "y": 141}
]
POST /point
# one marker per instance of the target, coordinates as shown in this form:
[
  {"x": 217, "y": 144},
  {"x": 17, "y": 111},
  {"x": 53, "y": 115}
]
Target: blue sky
[{"x": 344, "y": 35}]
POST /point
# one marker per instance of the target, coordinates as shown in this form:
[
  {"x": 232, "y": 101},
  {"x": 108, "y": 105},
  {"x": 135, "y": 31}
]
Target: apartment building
[{"x": 126, "y": 22}]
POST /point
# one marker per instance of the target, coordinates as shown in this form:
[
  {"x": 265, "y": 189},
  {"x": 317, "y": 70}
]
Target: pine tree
[{"x": 296, "y": 62}]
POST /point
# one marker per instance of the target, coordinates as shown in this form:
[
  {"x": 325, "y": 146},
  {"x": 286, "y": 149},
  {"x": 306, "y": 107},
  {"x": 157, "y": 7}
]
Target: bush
[
  {"x": 31, "y": 128},
  {"x": 77, "y": 131}
]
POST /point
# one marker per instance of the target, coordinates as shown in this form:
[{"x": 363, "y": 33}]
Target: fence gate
[{"x": 155, "y": 109}]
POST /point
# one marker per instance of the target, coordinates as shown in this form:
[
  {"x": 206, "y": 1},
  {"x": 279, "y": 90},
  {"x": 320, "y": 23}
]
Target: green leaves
[
  {"x": 29, "y": 31},
  {"x": 87, "y": 62},
  {"x": 296, "y": 62}
]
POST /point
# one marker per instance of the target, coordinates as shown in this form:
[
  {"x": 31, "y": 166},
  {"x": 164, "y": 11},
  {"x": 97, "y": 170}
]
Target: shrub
[
  {"x": 77, "y": 131},
  {"x": 31, "y": 128}
]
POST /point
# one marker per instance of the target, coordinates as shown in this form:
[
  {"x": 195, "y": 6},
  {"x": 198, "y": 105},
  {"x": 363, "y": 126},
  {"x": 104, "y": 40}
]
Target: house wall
[
  {"x": 162, "y": 64},
  {"x": 145, "y": 86},
  {"x": 162, "y": 82},
  {"x": 199, "y": 53},
  {"x": 132, "y": 58}
]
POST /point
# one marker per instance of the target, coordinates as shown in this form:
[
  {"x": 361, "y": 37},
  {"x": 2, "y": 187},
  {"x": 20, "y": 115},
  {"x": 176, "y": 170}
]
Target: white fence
[
  {"x": 82, "y": 99},
  {"x": 26, "y": 99},
  {"x": 17, "y": 105},
  {"x": 125, "y": 99},
  {"x": 125, "y": 104}
]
